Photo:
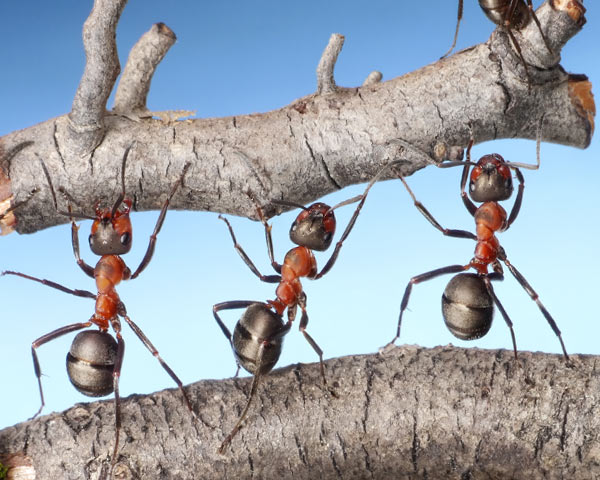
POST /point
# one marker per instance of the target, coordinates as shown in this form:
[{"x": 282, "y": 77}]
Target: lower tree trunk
[{"x": 408, "y": 413}]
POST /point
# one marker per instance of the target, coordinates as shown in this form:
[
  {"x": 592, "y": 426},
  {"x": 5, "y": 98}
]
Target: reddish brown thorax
[
  {"x": 490, "y": 217},
  {"x": 109, "y": 272},
  {"x": 298, "y": 262}
]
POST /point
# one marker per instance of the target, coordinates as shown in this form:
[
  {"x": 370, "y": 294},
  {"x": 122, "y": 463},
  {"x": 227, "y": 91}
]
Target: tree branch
[
  {"x": 84, "y": 126},
  {"x": 144, "y": 57},
  {"x": 411, "y": 413},
  {"x": 316, "y": 145}
]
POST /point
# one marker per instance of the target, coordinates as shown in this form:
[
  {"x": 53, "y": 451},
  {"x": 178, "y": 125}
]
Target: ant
[
  {"x": 94, "y": 360},
  {"x": 467, "y": 304},
  {"x": 511, "y": 14},
  {"x": 257, "y": 339}
]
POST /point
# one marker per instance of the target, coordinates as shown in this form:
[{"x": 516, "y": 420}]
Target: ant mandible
[
  {"x": 467, "y": 304},
  {"x": 511, "y": 14},
  {"x": 94, "y": 360},
  {"x": 257, "y": 339}
]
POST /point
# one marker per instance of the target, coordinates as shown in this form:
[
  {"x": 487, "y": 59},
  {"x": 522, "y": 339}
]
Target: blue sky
[{"x": 244, "y": 57}]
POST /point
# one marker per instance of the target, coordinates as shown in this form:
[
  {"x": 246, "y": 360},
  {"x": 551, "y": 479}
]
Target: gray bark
[
  {"x": 411, "y": 413},
  {"x": 318, "y": 144}
]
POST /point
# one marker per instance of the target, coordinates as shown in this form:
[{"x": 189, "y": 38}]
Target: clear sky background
[{"x": 235, "y": 57}]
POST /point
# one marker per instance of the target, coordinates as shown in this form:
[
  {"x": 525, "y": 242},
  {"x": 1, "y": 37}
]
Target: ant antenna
[
  {"x": 287, "y": 203},
  {"x": 122, "y": 194}
]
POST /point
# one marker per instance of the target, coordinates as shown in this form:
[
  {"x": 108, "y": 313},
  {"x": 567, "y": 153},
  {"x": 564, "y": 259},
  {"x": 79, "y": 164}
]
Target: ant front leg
[
  {"x": 246, "y": 258},
  {"x": 45, "y": 339},
  {"x": 517, "y": 205},
  {"x": 87, "y": 269},
  {"x": 361, "y": 201},
  {"x": 159, "y": 223},
  {"x": 418, "y": 279},
  {"x": 269, "y": 239},
  {"x": 446, "y": 231},
  {"x": 469, "y": 205}
]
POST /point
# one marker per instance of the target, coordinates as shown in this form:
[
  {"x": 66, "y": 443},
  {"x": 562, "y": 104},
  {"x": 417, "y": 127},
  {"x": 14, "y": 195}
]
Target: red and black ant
[
  {"x": 467, "y": 304},
  {"x": 257, "y": 339},
  {"x": 95, "y": 358},
  {"x": 510, "y": 14}
]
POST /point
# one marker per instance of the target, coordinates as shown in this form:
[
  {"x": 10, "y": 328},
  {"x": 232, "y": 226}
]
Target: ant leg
[
  {"x": 470, "y": 206},
  {"x": 518, "y": 200},
  {"x": 77, "y": 293},
  {"x": 446, "y": 231},
  {"x": 269, "y": 239},
  {"x": 459, "y": 18},
  {"x": 159, "y": 223},
  {"x": 246, "y": 259},
  {"x": 537, "y": 22},
  {"x": 516, "y": 165},
  {"x": 520, "y": 53},
  {"x": 88, "y": 269},
  {"x": 255, "y": 380},
  {"x": 361, "y": 201},
  {"x": 154, "y": 352},
  {"x": 418, "y": 279},
  {"x": 59, "y": 332},
  {"x": 309, "y": 339},
  {"x": 116, "y": 376},
  {"x": 230, "y": 306},
  {"x": 535, "y": 297},
  {"x": 488, "y": 284}
]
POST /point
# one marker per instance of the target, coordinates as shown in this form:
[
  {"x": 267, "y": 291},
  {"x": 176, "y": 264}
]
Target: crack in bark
[{"x": 57, "y": 147}]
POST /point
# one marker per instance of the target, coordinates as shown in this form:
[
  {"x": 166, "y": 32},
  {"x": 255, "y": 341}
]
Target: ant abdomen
[
  {"x": 91, "y": 361},
  {"x": 497, "y": 12},
  {"x": 467, "y": 306},
  {"x": 258, "y": 325}
]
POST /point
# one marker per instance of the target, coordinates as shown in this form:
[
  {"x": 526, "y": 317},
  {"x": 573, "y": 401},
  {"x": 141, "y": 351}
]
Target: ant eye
[
  {"x": 125, "y": 238},
  {"x": 91, "y": 240},
  {"x": 471, "y": 186}
]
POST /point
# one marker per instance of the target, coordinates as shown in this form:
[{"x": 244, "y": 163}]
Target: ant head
[
  {"x": 314, "y": 227},
  {"x": 491, "y": 179},
  {"x": 111, "y": 230}
]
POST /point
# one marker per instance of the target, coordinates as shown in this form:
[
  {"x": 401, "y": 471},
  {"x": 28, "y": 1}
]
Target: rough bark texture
[
  {"x": 319, "y": 143},
  {"x": 411, "y": 413}
]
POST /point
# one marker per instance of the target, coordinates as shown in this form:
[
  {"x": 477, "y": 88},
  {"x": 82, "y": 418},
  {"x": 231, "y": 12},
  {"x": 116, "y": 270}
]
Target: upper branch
[
  {"x": 85, "y": 128},
  {"x": 319, "y": 143},
  {"x": 143, "y": 59}
]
